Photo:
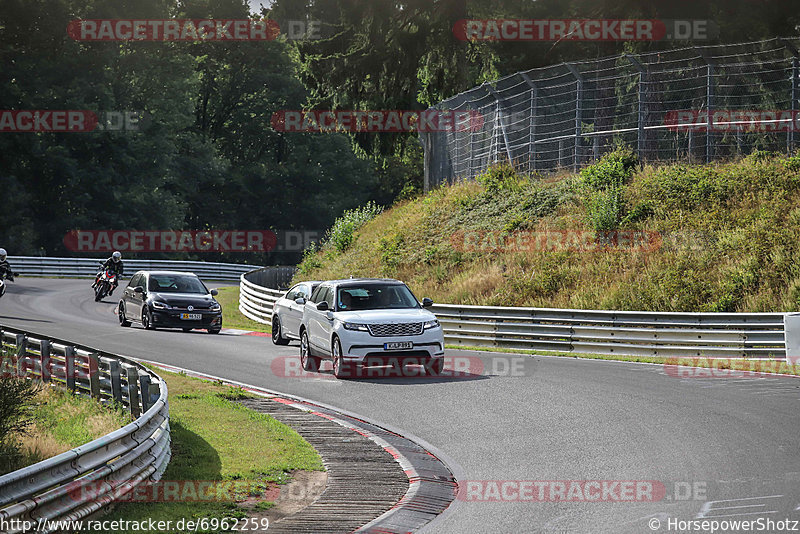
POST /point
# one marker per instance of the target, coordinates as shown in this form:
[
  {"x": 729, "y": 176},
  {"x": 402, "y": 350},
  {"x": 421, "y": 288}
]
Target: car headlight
[
  {"x": 356, "y": 326},
  {"x": 215, "y": 306},
  {"x": 160, "y": 305},
  {"x": 430, "y": 324}
]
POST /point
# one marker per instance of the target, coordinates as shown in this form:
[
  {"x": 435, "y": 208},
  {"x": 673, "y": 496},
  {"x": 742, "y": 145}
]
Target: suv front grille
[{"x": 401, "y": 329}]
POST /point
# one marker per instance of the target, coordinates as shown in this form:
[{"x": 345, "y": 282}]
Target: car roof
[
  {"x": 363, "y": 281},
  {"x": 167, "y": 273}
]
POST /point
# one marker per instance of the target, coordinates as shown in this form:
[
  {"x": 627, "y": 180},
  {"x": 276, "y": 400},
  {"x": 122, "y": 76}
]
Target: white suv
[{"x": 363, "y": 322}]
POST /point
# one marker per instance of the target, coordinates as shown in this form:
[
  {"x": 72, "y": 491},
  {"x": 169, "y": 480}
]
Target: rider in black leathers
[
  {"x": 5, "y": 268},
  {"x": 113, "y": 264}
]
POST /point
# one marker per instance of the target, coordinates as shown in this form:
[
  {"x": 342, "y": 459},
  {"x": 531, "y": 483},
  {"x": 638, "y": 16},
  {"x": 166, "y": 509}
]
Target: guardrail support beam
[
  {"x": 94, "y": 375},
  {"x": 44, "y": 360}
]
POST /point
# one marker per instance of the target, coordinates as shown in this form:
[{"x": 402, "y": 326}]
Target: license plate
[
  {"x": 191, "y": 316},
  {"x": 398, "y": 345}
]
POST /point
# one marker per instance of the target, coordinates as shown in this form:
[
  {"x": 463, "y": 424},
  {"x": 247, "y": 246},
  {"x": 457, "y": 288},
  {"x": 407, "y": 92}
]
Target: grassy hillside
[{"x": 720, "y": 237}]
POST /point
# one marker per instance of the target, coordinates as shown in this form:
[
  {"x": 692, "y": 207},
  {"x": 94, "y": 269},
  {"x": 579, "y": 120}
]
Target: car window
[
  {"x": 176, "y": 283},
  {"x": 304, "y": 291},
  {"x": 316, "y": 296},
  {"x": 293, "y": 293},
  {"x": 135, "y": 280},
  {"x": 329, "y": 297},
  {"x": 375, "y": 297}
]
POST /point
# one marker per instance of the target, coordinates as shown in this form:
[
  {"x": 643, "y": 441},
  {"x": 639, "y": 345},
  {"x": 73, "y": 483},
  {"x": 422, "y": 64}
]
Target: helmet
[
  {"x": 2, "y": 254},
  {"x": 117, "y": 255}
]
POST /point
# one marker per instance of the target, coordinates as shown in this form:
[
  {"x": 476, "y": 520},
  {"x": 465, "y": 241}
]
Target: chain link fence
[{"x": 698, "y": 103}]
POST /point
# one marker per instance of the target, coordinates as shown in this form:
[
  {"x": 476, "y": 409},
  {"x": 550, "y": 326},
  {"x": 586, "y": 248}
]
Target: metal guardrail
[
  {"x": 80, "y": 482},
  {"x": 256, "y": 301},
  {"x": 88, "y": 267},
  {"x": 629, "y": 333}
]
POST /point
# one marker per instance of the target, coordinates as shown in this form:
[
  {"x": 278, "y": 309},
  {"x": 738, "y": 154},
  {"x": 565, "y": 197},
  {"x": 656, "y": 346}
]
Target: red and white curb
[{"x": 413, "y": 498}]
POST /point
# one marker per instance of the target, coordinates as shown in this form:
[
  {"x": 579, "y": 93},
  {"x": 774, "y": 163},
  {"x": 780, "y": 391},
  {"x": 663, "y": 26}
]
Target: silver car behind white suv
[{"x": 368, "y": 322}]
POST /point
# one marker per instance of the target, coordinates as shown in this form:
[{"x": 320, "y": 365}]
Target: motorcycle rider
[
  {"x": 5, "y": 268},
  {"x": 114, "y": 265}
]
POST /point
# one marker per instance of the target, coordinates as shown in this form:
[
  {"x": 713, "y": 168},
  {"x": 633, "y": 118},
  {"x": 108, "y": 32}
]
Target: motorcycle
[
  {"x": 104, "y": 285},
  {"x": 10, "y": 278}
]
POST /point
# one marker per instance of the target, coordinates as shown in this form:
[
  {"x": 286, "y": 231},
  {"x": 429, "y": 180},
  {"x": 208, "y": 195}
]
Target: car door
[
  {"x": 137, "y": 299},
  {"x": 291, "y": 313},
  {"x": 127, "y": 297},
  {"x": 317, "y": 319}
]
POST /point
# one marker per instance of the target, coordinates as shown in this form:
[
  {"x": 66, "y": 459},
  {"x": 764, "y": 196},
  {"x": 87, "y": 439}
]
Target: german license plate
[
  {"x": 191, "y": 316},
  {"x": 398, "y": 345}
]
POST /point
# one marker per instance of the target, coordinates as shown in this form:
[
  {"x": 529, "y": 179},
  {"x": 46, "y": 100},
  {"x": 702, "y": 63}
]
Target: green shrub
[
  {"x": 16, "y": 406},
  {"x": 603, "y": 185},
  {"x": 340, "y": 236},
  {"x": 500, "y": 177}
]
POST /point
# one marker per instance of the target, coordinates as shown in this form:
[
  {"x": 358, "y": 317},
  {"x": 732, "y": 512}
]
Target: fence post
[
  {"x": 144, "y": 388},
  {"x": 709, "y": 105},
  {"x": 69, "y": 367},
  {"x": 22, "y": 351},
  {"x": 642, "y": 80},
  {"x": 501, "y": 105},
  {"x": 44, "y": 360},
  {"x": 532, "y": 122},
  {"x": 795, "y": 67},
  {"x": 132, "y": 377},
  {"x": 94, "y": 375},
  {"x": 116, "y": 384},
  {"x": 578, "y": 113}
]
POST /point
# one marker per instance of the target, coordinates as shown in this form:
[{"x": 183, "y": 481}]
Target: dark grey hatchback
[{"x": 169, "y": 299}]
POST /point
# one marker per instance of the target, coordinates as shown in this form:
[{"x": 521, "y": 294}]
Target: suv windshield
[
  {"x": 170, "y": 283},
  {"x": 375, "y": 297}
]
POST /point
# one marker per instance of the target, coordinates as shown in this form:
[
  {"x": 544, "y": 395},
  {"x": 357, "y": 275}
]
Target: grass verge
[
  {"x": 231, "y": 316},
  {"x": 63, "y": 421},
  {"x": 216, "y": 439}
]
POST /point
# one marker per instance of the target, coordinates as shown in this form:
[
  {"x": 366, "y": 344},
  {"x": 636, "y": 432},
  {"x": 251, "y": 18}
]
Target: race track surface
[{"x": 724, "y": 448}]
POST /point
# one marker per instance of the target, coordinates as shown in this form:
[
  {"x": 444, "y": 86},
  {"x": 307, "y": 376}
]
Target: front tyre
[
  {"x": 310, "y": 363},
  {"x": 277, "y": 333},
  {"x": 147, "y": 319},
  {"x": 341, "y": 369}
]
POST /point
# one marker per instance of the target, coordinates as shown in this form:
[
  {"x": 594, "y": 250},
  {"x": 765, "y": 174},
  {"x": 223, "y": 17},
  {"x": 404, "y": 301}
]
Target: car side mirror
[
  {"x": 138, "y": 289},
  {"x": 300, "y": 300},
  {"x": 214, "y": 292},
  {"x": 427, "y": 303},
  {"x": 322, "y": 306}
]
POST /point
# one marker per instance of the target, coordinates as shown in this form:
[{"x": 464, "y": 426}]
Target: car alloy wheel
[
  {"x": 341, "y": 369},
  {"x": 123, "y": 321},
  {"x": 277, "y": 334},
  {"x": 147, "y": 319},
  {"x": 307, "y": 361}
]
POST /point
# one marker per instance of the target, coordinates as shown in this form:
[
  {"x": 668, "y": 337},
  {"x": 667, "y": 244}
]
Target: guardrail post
[
  {"x": 578, "y": 113},
  {"x": 69, "y": 367},
  {"x": 132, "y": 377},
  {"x": 44, "y": 360},
  {"x": 116, "y": 386},
  {"x": 94, "y": 375},
  {"x": 144, "y": 388},
  {"x": 22, "y": 352}
]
